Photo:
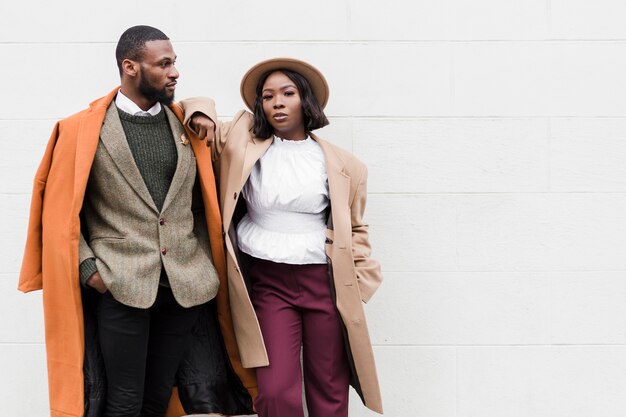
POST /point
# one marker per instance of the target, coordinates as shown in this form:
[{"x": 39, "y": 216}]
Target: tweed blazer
[{"x": 130, "y": 238}]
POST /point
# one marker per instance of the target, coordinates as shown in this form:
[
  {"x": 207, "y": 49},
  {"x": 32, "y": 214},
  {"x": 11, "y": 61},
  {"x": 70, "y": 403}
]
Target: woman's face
[{"x": 282, "y": 106}]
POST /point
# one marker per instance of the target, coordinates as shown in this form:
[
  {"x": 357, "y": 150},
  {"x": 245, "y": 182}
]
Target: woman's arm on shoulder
[{"x": 200, "y": 117}]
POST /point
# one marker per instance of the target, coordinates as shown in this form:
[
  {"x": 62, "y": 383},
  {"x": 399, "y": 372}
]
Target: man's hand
[
  {"x": 95, "y": 282},
  {"x": 203, "y": 126}
]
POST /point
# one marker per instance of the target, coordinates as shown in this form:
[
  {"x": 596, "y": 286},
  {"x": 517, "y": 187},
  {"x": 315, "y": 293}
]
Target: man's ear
[{"x": 130, "y": 67}]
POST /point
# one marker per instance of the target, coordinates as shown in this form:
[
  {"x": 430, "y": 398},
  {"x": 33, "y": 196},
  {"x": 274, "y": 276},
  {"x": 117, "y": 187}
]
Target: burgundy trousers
[{"x": 295, "y": 309}]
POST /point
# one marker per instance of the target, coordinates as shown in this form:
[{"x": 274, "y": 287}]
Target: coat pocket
[{"x": 328, "y": 244}]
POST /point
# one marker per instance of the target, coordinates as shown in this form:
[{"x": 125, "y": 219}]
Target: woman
[{"x": 297, "y": 249}]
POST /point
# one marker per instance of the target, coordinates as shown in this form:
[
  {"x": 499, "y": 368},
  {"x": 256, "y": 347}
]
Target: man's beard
[{"x": 152, "y": 93}]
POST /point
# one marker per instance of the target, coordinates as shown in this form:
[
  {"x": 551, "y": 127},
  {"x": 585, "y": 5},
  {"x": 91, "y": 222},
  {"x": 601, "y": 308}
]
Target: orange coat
[{"x": 51, "y": 256}]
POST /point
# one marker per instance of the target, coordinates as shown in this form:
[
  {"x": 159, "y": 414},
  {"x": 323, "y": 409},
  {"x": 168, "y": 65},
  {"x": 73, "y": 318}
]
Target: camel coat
[
  {"x": 51, "y": 256},
  {"x": 356, "y": 276}
]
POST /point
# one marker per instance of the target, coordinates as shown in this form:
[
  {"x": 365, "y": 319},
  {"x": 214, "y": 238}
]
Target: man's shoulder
[
  {"x": 74, "y": 118},
  {"x": 98, "y": 106}
]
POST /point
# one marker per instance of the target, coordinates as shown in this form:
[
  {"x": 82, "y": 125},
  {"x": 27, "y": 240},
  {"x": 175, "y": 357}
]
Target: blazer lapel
[
  {"x": 114, "y": 140},
  {"x": 184, "y": 157}
]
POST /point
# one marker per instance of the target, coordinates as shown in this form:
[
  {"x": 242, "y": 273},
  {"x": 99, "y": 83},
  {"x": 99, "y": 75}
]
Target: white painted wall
[{"x": 496, "y": 139}]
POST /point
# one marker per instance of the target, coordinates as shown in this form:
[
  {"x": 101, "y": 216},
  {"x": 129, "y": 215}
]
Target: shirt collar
[
  {"x": 292, "y": 142},
  {"x": 127, "y": 105}
]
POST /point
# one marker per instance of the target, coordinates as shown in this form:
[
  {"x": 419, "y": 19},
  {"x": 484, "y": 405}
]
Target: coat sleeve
[
  {"x": 242, "y": 120},
  {"x": 206, "y": 106},
  {"x": 368, "y": 272},
  {"x": 86, "y": 261},
  {"x": 31, "y": 271},
  {"x": 84, "y": 250}
]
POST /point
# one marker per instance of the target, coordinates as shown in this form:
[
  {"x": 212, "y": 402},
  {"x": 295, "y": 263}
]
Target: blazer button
[
  {"x": 161, "y": 221},
  {"x": 164, "y": 251}
]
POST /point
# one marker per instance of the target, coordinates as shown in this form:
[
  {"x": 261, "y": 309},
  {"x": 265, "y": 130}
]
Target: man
[{"x": 119, "y": 192}]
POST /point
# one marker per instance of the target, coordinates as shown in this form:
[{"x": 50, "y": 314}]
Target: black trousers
[{"x": 142, "y": 349}]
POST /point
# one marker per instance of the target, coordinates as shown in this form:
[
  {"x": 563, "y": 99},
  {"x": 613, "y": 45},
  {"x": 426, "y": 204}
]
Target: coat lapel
[
  {"x": 255, "y": 149},
  {"x": 114, "y": 140},
  {"x": 87, "y": 143},
  {"x": 338, "y": 186},
  {"x": 184, "y": 157}
]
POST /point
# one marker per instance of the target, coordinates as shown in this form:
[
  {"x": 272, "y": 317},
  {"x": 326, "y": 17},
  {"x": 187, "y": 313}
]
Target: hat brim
[{"x": 313, "y": 76}]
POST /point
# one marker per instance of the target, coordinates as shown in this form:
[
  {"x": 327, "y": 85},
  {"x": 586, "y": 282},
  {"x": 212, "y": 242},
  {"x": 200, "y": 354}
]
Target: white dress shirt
[
  {"x": 128, "y": 106},
  {"x": 287, "y": 197}
]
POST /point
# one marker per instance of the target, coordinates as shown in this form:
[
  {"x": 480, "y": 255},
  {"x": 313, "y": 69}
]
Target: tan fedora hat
[{"x": 313, "y": 75}]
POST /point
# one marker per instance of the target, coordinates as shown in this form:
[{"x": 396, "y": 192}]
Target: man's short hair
[{"x": 133, "y": 40}]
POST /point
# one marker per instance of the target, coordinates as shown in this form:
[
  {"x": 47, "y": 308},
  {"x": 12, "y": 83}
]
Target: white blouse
[{"x": 286, "y": 196}]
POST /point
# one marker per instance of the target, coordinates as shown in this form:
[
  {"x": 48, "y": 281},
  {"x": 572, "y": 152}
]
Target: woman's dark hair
[{"x": 313, "y": 115}]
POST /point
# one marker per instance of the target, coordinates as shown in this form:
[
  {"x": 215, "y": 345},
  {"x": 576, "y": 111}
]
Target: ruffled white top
[{"x": 286, "y": 195}]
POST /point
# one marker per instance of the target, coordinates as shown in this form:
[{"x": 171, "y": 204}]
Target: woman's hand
[{"x": 203, "y": 126}]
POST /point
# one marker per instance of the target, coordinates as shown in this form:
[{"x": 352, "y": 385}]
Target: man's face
[{"x": 157, "y": 72}]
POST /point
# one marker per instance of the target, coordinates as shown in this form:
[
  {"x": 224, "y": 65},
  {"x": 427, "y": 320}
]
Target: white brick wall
[{"x": 495, "y": 134}]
